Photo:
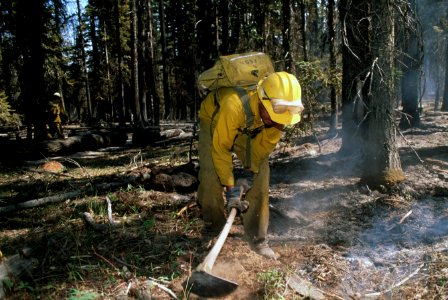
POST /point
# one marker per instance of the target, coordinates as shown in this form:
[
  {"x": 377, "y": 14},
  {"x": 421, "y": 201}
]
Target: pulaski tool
[{"x": 202, "y": 282}]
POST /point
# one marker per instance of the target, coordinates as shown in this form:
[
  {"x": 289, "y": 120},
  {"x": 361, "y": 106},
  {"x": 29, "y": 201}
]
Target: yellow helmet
[{"x": 281, "y": 95}]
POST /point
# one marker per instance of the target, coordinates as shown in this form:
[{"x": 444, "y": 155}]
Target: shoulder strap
[{"x": 244, "y": 97}]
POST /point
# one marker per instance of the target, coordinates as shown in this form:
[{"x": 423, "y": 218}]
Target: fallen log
[
  {"x": 86, "y": 141},
  {"x": 62, "y": 197},
  {"x": 91, "y": 140},
  {"x": 39, "y": 202},
  {"x": 182, "y": 179}
]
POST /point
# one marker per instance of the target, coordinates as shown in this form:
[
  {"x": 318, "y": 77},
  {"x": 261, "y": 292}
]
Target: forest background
[
  {"x": 136, "y": 62},
  {"x": 123, "y": 61}
]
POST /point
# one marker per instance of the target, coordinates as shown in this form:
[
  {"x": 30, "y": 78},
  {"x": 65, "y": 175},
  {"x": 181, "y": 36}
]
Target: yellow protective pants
[{"x": 211, "y": 199}]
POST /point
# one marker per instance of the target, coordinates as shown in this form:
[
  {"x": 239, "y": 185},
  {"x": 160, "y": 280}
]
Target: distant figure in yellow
[{"x": 54, "y": 118}]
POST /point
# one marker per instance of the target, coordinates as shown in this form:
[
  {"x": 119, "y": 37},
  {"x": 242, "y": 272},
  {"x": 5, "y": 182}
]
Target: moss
[
  {"x": 387, "y": 179},
  {"x": 393, "y": 176}
]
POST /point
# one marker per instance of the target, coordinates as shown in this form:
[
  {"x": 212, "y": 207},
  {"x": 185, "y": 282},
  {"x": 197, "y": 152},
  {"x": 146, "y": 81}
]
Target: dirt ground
[{"x": 336, "y": 238}]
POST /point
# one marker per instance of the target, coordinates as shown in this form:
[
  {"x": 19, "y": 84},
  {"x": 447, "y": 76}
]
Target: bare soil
[{"x": 337, "y": 237}]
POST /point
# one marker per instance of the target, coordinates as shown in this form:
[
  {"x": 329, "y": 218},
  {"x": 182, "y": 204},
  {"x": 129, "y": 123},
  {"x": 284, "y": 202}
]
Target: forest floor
[{"x": 335, "y": 237}]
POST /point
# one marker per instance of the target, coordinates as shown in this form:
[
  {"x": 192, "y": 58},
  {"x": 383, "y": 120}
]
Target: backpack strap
[
  {"x": 244, "y": 97},
  {"x": 216, "y": 102}
]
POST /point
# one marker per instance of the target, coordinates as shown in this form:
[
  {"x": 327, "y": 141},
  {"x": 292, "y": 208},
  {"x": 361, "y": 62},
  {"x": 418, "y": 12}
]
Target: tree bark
[
  {"x": 134, "y": 66},
  {"x": 313, "y": 28},
  {"x": 97, "y": 91},
  {"x": 155, "y": 107},
  {"x": 29, "y": 32},
  {"x": 84, "y": 59},
  {"x": 119, "y": 83},
  {"x": 382, "y": 164},
  {"x": 355, "y": 57},
  {"x": 331, "y": 40},
  {"x": 286, "y": 34},
  {"x": 445, "y": 93},
  {"x": 166, "y": 91},
  {"x": 143, "y": 41},
  {"x": 410, "y": 83},
  {"x": 303, "y": 29}
]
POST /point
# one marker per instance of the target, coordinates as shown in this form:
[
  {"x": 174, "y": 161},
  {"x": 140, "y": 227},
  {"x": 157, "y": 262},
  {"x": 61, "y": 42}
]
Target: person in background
[
  {"x": 275, "y": 102},
  {"x": 54, "y": 117}
]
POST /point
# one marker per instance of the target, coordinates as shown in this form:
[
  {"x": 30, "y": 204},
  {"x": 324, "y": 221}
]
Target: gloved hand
[{"x": 233, "y": 197}]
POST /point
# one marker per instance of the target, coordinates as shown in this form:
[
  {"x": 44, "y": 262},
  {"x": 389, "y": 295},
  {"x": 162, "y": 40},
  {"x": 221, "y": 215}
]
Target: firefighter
[
  {"x": 54, "y": 117},
  {"x": 275, "y": 102}
]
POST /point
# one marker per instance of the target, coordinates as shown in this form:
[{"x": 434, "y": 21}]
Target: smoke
[{"x": 432, "y": 16}]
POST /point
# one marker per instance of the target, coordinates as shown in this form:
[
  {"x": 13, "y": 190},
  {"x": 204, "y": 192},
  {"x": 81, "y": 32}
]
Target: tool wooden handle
[{"x": 210, "y": 259}]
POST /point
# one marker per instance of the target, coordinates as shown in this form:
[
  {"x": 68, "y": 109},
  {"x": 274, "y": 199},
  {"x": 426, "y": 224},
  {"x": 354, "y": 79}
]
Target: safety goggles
[{"x": 280, "y": 106}]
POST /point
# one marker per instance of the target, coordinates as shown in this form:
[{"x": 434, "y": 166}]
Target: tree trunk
[
  {"x": 134, "y": 65},
  {"x": 313, "y": 28},
  {"x": 286, "y": 34},
  {"x": 29, "y": 35},
  {"x": 166, "y": 91},
  {"x": 303, "y": 29},
  {"x": 331, "y": 37},
  {"x": 445, "y": 93},
  {"x": 355, "y": 57},
  {"x": 206, "y": 32},
  {"x": 97, "y": 91},
  {"x": 143, "y": 41},
  {"x": 260, "y": 8},
  {"x": 110, "y": 101},
  {"x": 119, "y": 84},
  {"x": 437, "y": 94},
  {"x": 84, "y": 59},
  {"x": 382, "y": 164},
  {"x": 235, "y": 28},
  {"x": 152, "y": 75},
  {"x": 410, "y": 83},
  {"x": 224, "y": 13}
]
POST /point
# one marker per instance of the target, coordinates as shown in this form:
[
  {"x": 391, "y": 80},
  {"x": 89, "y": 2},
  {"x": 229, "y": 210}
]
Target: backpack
[
  {"x": 245, "y": 69},
  {"x": 242, "y": 72}
]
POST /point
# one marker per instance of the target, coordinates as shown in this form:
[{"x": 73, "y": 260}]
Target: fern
[{"x": 7, "y": 115}]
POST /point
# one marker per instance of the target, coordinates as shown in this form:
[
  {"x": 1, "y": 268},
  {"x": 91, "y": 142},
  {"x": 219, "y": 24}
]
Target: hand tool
[{"x": 202, "y": 282}]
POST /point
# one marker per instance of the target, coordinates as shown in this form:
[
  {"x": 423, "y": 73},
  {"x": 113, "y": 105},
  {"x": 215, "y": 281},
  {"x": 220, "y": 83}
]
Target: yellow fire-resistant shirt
[{"x": 228, "y": 124}]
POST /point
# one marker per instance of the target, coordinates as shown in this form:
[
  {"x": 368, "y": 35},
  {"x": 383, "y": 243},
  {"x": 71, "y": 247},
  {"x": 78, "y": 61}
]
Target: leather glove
[{"x": 233, "y": 197}]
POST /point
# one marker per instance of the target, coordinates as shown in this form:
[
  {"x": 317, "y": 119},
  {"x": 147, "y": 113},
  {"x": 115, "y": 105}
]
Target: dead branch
[
  {"x": 79, "y": 166},
  {"x": 91, "y": 222},
  {"x": 317, "y": 141},
  {"x": 40, "y": 201},
  {"x": 109, "y": 212},
  {"x": 401, "y": 282},
  {"x": 401, "y": 220},
  {"x": 101, "y": 227},
  {"x": 162, "y": 287},
  {"x": 134, "y": 160},
  {"x": 185, "y": 208},
  {"x": 405, "y": 216}
]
